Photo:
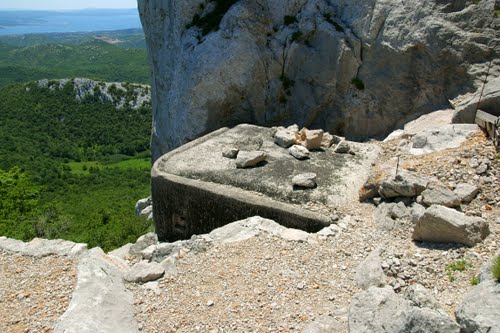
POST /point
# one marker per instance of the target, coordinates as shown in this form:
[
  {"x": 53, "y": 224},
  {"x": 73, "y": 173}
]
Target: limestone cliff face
[{"x": 354, "y": 67}]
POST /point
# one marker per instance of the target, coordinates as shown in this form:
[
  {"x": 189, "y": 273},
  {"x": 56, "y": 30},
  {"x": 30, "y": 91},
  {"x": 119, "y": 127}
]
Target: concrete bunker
[{"x": 196, "y": 189}]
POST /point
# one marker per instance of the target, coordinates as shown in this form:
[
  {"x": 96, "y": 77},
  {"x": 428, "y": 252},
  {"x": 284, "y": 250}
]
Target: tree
[{"x": 19, "y": 199}]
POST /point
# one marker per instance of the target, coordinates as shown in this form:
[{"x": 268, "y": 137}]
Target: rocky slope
[
  {"x": 355, "y": 68},
  {"x": 121, "y": 94}
]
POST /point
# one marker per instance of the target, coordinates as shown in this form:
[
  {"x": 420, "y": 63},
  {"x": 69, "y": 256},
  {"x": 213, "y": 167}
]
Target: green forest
[{"x": 68, "y": 169}]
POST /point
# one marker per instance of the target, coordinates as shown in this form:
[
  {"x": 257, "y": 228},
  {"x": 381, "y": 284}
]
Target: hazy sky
[{"x": 66, "y": 4}]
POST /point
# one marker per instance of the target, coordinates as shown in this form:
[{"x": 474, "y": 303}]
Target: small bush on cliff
[
  {"x": 288, "y": 20},
  {"x": 358, "y": 83},
  {"x": 296, "y": 36}
]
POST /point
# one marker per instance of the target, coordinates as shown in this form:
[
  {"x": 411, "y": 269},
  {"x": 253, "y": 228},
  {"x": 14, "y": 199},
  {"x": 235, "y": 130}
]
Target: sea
[{"x": 13, "y": 22}]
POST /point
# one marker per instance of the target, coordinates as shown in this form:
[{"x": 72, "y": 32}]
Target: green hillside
[
  {"x": 94, "y": 59},
  {"x": 71, "y": 170}
]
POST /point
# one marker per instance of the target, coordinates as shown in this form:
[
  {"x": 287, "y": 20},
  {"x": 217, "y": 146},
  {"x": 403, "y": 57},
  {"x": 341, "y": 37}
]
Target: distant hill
[{"x": 95, "y": 59}]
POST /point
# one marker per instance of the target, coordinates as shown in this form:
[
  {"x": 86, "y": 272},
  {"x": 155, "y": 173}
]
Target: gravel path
[
  {"x": 264, "y": 284},
  {"x": 34, "y": 292}
]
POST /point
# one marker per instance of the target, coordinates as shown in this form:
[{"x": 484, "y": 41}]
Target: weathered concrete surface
[{"x": 196, "y": 190}]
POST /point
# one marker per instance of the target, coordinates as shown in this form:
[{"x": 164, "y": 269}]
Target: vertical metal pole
[{"x": 397, "y": 167}]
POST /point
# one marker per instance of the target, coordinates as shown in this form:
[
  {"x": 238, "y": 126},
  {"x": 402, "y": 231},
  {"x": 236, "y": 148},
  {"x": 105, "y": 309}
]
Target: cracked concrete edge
[
  {"x": 100, "y": 302},
  {"x": 43, "y": 247},
  {"x": 157, "y": 168}
]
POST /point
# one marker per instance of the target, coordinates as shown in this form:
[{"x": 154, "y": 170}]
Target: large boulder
[
  {"x": 440, "y": 195},
  {"x": 466, "y": 192},
  {"x": 381, "y": 310},
  {"x": 324, "y": 66},
  {"x": 369, "y": 272},
  {"x": 445, "y": 225},
  {"x": 405, "y": 184},
  {"x": 479, "y": 311}
]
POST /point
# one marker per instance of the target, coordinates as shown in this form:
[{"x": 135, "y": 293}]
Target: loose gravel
[{"x": 34, "y": 292}]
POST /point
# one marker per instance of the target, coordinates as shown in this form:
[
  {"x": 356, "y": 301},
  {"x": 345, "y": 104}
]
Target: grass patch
[
  {"x": 457, "y": 266},
  {"x": 88, "y": 167},
  {"x": 475, "y": 280},
  {"x": 358, "y": 83},
  {"x": 495, "y": 268}
]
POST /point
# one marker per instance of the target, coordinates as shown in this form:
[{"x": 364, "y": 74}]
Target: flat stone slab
[
  {"x": 195, "y": 189},
  {"x": 100, "y": 302},
  {"x": 39, "y": 247}
]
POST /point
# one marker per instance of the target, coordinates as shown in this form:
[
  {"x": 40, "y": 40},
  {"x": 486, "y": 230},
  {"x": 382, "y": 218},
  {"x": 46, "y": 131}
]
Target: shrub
[
  {"x": 459, "y": 265},
  {"x": 296, "y": 36},
  {"x": 288, "y": 19},
  {"x": 358, "y": 83},
  {"x": 475, "y": 280},
  {"x": 495, "y": 268}
]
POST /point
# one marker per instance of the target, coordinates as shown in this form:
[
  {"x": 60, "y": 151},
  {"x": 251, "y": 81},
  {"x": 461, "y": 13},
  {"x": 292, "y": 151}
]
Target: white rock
[
  {"x": 144, "y": 271},
  {"x": 141, "y": 204},
  {"x": 284, "y": 138},
  {"x": 147, "y": 253},
  {"x": 440, "y": 196},
  {"x": 343, "y": 147},
  {"x": 306, "y": 180},
  {"x": 369, "y": 272},
  {"x": 231, "y": 152},
  {"x": 294, "y": 235},
  {"x": 299, "y": 152},
  {"x": 446, "y": 225},
  {"x": 466, "y": 192},
  {"x": 248, "y": 159},
  {"x": 143, "y": 242}
]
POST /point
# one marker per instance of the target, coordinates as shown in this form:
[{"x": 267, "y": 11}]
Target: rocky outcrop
[
  {"x": 121, "y": 94},
  {"x": 43, "y": 247},
  {"x": 357, "y": 68}
]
